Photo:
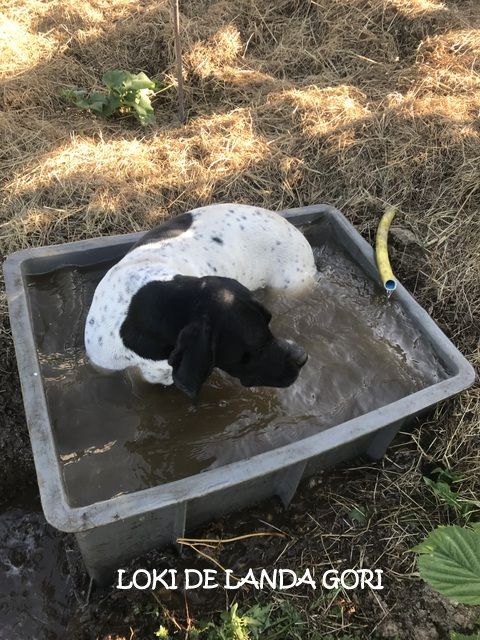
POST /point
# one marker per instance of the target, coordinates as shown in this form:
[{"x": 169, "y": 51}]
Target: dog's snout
[
  {"x": 301, "y": 358},
  {"x": 299, "y": 355}
]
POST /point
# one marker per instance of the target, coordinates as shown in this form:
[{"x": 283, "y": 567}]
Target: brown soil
[{"x": 16, "y": 466}]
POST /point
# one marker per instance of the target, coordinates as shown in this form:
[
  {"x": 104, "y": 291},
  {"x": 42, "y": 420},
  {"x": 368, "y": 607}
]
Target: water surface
[{"x": 115, "y": 435}]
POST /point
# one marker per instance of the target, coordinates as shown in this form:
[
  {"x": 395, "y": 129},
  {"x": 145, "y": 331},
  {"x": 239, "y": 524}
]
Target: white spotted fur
[{"x": 260, "y": 249}]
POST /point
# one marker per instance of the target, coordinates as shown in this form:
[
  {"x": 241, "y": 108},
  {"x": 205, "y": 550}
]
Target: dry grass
[{"x": 354, "y": 102}]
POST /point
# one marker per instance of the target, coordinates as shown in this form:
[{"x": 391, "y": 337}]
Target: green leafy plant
[
  {"x": 125, "y": 93},
  {"x": 146, "y": 609},
  {"x": 441, "y": 487},
  {"x": 449, "y": 560},
  {"x": 162, "y": 632},
  {"x": 358, "y": 515},
  {"x": 236, "y": 626},
  {"x": 461, "y": 636},
  {"x": 287, "y": 621},
  {"x": 268, "y": 622}
]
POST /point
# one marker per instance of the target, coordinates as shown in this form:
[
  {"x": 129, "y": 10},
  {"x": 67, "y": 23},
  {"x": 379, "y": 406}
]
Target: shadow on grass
[{"x": 330, "y": 124}]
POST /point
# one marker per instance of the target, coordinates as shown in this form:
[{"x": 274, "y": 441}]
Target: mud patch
[{"x": 34, "y": 589}]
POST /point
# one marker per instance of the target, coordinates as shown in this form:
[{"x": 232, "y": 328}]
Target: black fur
[
  {"x": 166, "y": 230},
  {"x": 202, "y": 323},
  {"x": 193, "y": 357}
]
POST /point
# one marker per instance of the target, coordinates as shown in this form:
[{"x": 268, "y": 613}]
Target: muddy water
[{"x": 116, "y": 436}]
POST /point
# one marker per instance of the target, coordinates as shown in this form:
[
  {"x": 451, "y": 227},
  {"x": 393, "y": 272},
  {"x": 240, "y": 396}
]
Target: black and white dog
[{"x": 180, "y": 302}]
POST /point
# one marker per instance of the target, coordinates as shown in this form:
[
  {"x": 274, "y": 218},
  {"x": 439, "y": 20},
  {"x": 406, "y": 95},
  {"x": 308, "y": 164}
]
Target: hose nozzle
[{"x": 381, "y": 251}]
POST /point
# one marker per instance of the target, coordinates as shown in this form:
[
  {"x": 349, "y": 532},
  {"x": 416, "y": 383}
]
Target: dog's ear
[{"x": 192, "y": 358}]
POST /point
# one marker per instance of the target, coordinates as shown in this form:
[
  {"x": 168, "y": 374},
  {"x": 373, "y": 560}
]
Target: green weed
[
  {"x": 265, "y": 622},
  {"x": 125, "y": 93},
  {"x": 442, "y": 488},
  {"x": 236, "y": 626}
]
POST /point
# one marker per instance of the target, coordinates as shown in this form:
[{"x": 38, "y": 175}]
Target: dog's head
[
  {"x": 231, "y": 332},
  {"x": 222, "y": 326}
]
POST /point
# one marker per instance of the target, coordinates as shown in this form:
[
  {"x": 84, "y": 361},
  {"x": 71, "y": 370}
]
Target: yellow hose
[{"x": 381, "y": 251}]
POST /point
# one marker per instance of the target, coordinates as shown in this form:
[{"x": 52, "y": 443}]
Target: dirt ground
[{"x": 359, "y": 103}]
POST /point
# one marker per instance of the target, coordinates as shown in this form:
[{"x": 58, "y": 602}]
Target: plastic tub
[{"x": 111, "y": 532}]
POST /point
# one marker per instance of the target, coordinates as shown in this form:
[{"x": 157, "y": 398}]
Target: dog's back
[{"x": 257, "y": 247}]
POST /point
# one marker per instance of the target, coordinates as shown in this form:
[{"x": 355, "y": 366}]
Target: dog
[{"x": 180, "y": 302}]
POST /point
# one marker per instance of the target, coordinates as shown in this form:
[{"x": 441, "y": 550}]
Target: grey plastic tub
[{"x": 113, "y": 531}]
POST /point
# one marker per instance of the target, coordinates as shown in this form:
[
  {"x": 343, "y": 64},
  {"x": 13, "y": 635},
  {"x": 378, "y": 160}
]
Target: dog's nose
[{"x": 299, "y": 355}]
